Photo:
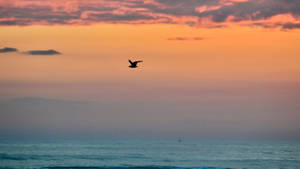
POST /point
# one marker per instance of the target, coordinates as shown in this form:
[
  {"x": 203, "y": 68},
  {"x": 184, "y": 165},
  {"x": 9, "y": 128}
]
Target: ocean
[{"x": 149, "y": 154}]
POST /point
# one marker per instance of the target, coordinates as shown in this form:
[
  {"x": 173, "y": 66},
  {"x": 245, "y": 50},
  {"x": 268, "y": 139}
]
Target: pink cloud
[{"x": 194, "y": 13}]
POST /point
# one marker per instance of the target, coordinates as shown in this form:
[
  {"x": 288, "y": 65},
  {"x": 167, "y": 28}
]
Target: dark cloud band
[
  {"x": 43, "y": 52},
  {"x": 150, "y": 11},
  {"x": 8, "y": 49},
  {"x": 185, "y": 38},
  {"x": 291, "y": 26}
]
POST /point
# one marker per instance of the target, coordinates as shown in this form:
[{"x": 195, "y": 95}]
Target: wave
[
  {"x": 4, "y": 156},
  {"x": 22, "y": 157}
]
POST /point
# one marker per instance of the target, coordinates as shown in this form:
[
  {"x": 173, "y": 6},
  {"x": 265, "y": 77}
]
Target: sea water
[{"x": 148, "y": 154}]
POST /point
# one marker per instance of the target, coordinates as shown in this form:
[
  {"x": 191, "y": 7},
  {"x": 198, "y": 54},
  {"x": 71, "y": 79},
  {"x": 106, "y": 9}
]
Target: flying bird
[{"x": 134, "y": 64}]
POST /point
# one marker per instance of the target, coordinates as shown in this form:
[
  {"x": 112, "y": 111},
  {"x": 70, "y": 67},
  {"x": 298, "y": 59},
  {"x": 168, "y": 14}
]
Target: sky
[{"x": 212, "y": 68}]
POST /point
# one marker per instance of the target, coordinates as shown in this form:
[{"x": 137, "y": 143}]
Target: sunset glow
[{"x": 234, "y": 63}]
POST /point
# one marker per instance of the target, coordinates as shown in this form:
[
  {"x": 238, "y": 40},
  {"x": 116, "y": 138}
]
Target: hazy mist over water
[{"x": 41, "y": 117}]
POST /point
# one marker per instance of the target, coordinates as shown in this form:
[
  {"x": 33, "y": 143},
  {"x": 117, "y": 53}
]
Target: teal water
[{"x": 144, "y": 154}]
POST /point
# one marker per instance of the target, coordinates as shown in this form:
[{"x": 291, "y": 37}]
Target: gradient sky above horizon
[{"x": 211, "y": 67}]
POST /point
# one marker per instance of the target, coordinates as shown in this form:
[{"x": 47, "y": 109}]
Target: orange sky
[
  {"x": 99, "y": 53},
  {"x": 91, "y": 51}
]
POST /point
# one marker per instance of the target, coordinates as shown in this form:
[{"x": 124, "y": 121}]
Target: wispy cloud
[
  {"x": 283, "y": 26},
  {"x": 191, "y": 12},
  {"x": 291, "y": 26},
  {"x": 8, "y": 49},
  {"x": 43, "y": 52},
  {"x": 185, "y": 38}
]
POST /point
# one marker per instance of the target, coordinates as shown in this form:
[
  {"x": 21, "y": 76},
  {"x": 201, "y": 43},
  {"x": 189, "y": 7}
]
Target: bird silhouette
[{"x": 134, "y": 64}]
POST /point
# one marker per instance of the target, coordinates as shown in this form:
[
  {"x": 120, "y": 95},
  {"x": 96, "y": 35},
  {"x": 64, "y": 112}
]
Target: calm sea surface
[{"x": 144, "y": 154}]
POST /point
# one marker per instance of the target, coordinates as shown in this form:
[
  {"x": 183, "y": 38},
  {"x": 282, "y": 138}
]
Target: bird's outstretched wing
[
  {"x": 130, "y": 61},
  {"x": 138, "y": 61}
]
